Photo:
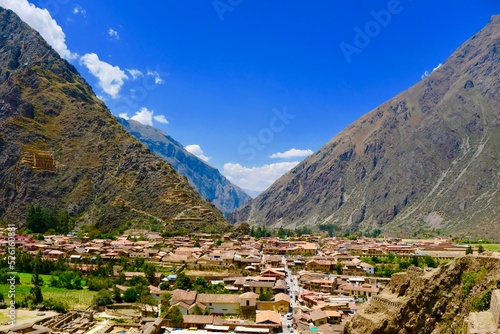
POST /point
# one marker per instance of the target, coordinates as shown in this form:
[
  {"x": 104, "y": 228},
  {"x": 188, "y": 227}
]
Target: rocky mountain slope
[
  {"x": 207, "y": 180},
  {"x": 61, "y": 147},
  {"x": 426, "y": 161},
  {"x": 445, "y": 300}
]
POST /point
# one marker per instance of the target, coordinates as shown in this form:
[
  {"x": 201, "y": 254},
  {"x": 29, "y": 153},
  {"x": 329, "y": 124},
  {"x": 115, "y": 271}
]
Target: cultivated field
[{"x": 76, "y": 299}]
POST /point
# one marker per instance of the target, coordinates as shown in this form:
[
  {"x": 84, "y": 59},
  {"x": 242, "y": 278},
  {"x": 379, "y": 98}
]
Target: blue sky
[{"x": 252, "y": 86}]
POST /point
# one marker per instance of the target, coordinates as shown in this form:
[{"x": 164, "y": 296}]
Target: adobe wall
[{"x": 495, "y": 305}]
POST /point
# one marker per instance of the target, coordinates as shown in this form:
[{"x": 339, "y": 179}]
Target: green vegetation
[
  {"x": 470, "y": 278},
  {"x": 266, "y": 297},
  {"x": 102, "y": 298},
  {"x": 42, "y": 220},
  {"x": 175, "y": 316},
  {"x": 468, "y": 250},
  {"x": 492, "y": 247},
  {"x": 481, "y": 302},
  {"x": 385, "y": 266},
  {"x": 468, "y": 281}
]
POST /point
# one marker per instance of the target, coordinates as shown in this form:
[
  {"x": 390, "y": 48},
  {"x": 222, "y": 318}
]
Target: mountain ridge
[
  {"x": 206, "y": 179},
  {"x": 415, "y": 165}
]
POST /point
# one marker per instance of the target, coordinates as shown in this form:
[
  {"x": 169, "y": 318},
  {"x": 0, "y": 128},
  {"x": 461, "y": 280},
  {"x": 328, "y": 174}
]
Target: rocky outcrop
[
  {"x": 425, "y": 161},
  {"x": 442, "y": 300},
  {"x": 207, "y": 180},
  {"x": 61, "y": 147}
]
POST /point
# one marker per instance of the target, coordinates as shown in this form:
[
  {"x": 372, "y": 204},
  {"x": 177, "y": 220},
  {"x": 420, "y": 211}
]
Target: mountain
[
  {"x": 425, "y": 162},
  {"x": 61, "y": 147},
  {"x": 207, "y": 180}
]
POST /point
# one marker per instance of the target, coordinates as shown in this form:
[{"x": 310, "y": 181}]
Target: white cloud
[
  {"x": 113, "y": 33},
  {"x": 426, "y": 73},
  {"x": 79, "y": 10},
  {"x": 292, "y": 153},
  {"x": 156, "y": 75},
  {"x": 196, "y": 150},
  {"x": 111, "y": 78},
  {"x": 160, "y": 119},
  {"x": 135, "y": 73},
  {"x": 41, "y": 20},
  {"x": 145, "y": 117},
  {"x": 256, "y": 179}
]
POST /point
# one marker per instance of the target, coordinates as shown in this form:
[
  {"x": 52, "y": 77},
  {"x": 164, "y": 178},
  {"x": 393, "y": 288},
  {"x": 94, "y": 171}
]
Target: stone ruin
[{"x": 40, "y": 160}]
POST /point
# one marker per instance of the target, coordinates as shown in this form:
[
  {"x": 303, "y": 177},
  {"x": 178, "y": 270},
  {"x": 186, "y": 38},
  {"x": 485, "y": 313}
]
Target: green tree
[
  {"x": 196, "y": 310},
  {"x": 200, "y": 284},
  {"x": 150, "y": 272},
  {"x": 430, "y": 262},
  {"x": 265, "y": 297},
  {"x": 147, "y": 300},
  {"x": 175, "y": 316},
  {"x": 97, "y": 284},
  {"x": 480, "y": 249},
  {"x": 183, "y": 282},
  {"x": 468, "y": 250},
  {"x": 196, "y": 242},
  {"x": 103, "y": 297},
  {"x": 165, "y": 285},
  {"x": 338, "y": 268},
  {"x": 117, "y": 295},
  {"x": 391, "y": 257},
  {"x": 40, "y": 220},
  {"x": 414, "y": 260},
  {"x": 138, "y": 262},
  {"x": 138, "y": 280},
  {"x": 36, "y": 291},
  {"x": 130, "y": 295}
]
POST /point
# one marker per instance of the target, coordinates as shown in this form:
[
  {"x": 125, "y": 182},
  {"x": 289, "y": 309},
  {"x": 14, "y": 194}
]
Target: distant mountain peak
[{"x": 206, "y": 179}]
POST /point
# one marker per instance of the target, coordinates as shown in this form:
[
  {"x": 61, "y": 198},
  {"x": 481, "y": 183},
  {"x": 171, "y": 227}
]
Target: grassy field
[
  {"x": 492, "y": 247},
  {"x": 76, "y": 299}
]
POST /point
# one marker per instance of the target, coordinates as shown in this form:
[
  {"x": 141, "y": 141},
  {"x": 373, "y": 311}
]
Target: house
[
  {"x": 355, "y": 290},
  {"x": 185, "y": 296},
  {"x": 323, "y": 285},
  {"x": 198, "y": 321},
  {"x": 220, "y": 304},
  {"x": 273, "y": 273},
  {"x": 368, "y": 268},
  {"x": 280, "y": 286},
  {"x": 334, "y": 317},
  {"x": 249, "y": 299},
  {"x": 268, "y": 317},
  {"x": 318, "y": 317},
  {"x": 258, "y": 286},
  {"x": 320, "y": 265},
  {"x": 280, "y": 303}
]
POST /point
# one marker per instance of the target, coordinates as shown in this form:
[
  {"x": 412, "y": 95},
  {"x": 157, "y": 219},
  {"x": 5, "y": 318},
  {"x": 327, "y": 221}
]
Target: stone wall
[{"x": 495, "y": 305}]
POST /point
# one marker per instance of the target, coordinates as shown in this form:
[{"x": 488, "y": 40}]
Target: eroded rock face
[
  {"x": 425, "y": 152},
  {"x": 434, "y": 301},
  {"x": 60, "y": 146}
]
